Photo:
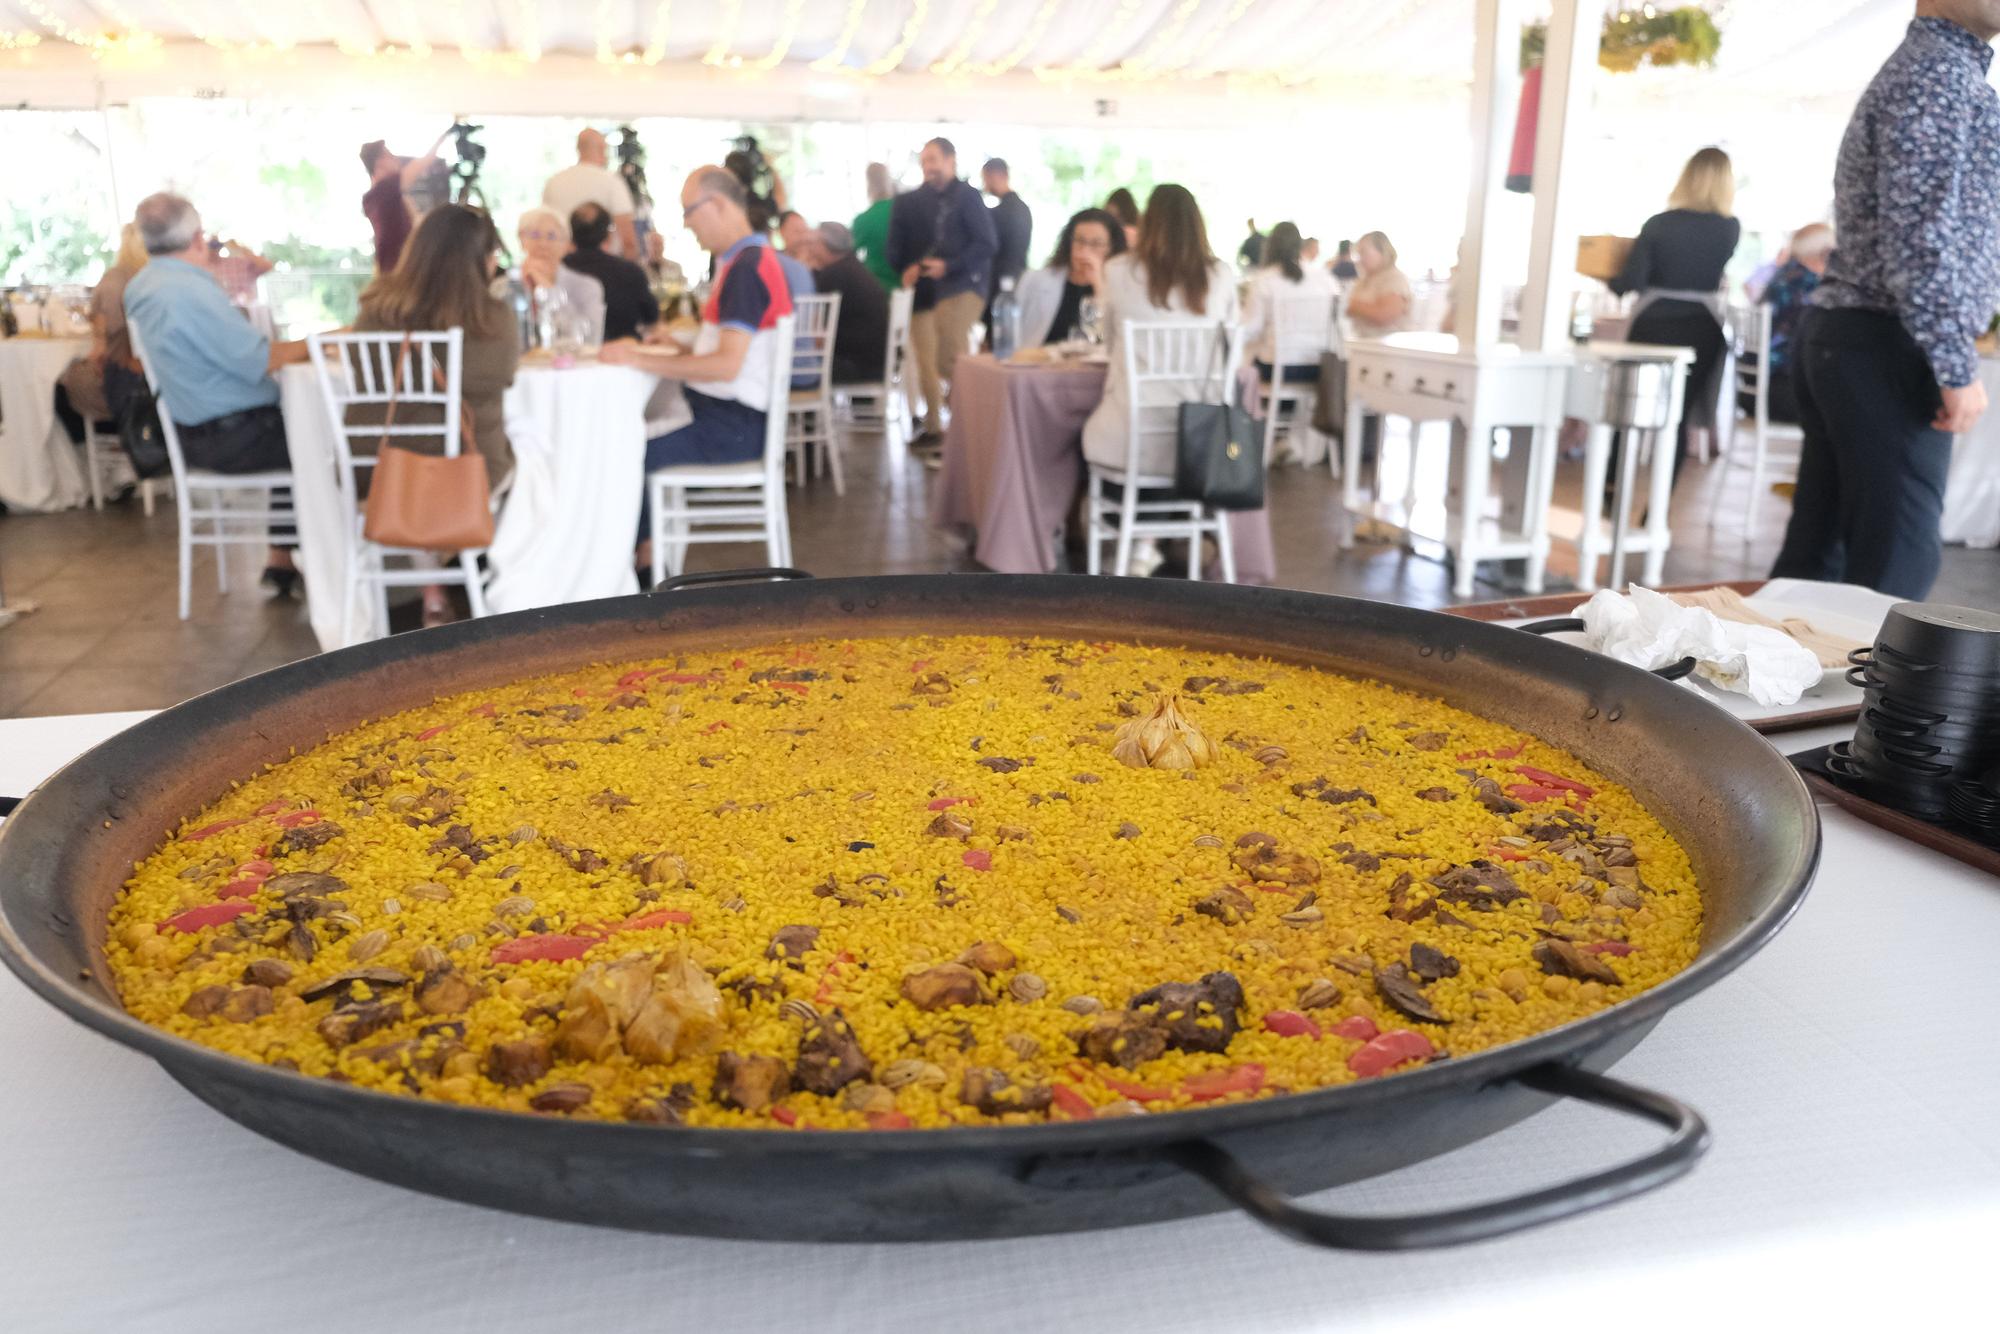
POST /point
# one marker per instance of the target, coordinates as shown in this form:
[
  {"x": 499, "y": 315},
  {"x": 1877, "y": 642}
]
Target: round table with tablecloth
[{"x": 39, "y": 467}]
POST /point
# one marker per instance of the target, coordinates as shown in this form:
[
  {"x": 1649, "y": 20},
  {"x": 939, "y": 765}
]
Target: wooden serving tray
[{"x": 1946, "y": 839}]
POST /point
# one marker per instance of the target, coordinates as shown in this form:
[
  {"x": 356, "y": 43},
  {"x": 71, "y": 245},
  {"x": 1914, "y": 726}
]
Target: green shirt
[{"x": 871, "y": 242}]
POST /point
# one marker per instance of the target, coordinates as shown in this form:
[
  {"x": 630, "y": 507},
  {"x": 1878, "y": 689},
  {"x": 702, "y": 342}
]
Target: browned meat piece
[
  {"x": 1125, "y": 1040},
  {"x": 306, "y": 837},
  {"x": 945, "y": 984},
  {"x": 343, "y": 987},
  {"x": 786, "y": 674},
  {"x": 1361, "y": 861},
  {"x": 1226, "y": 905},
  {"x": 247, "y": 1003},
  {"x": 563, "y": 1098},
  {"x": 445, "y": 991},
  {"x": 205, "y": 1002},
  {"x": 949, "y": 824},
  {"x": 1430, "y": 963},
  {"x": 999, "y": 764},
  {"x": 1262, "y": 859},
  {"x": 1437, "y": 794},
  {"x": 989, "y": 957},
  {"x": 1550, "y": 826},
  {"x": 1489, "y": 794},
  {"x": 1318, "y": 789},
  {"x": 993, "y": 1093},
  {"x": 267, "y": 972},
  {"x": 1427, "y": 740},
  {"x": 1478, "y": 885},
  {"x": 352, "y": 1023},
  {"x": 791, "y": 943},
  {"x": 1395, "y": 987},
  {"x": 1562, "y": 959},
  {"x": 750, "y": 1083},
  {"x": 310, "y": 884},
  {"x": 1402, "y": 907},
  {"x": 513, "y": 1064},
  {"x": 1197, "y": 1016},
  {"x": 829, "y": 1056},
  {"x": 1221, "y": 685}
]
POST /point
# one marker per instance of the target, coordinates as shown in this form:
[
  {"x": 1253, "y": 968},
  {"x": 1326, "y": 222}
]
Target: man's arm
[
  {"x": 901, "y": 251},
  {"x": 414, "y": 169},
  {"x": 286, "y": 354},
  {"x": 1924, "y": 209},
  {"x": 725, "y": 363},
  {"x": 628, "y": 236},
  {"x": 978, "y": 241}
]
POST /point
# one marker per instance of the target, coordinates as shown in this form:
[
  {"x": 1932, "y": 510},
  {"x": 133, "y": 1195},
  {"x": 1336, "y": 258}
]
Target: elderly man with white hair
[
  {"x": 862, "y": 338},
  {"x": 545, "y": 239},
  {"x": 1788, "y": 294},
  {"x": 214, "y": 368}
]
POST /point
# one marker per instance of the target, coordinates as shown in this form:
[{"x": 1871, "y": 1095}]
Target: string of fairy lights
[{"x": 1184, "y": 41}]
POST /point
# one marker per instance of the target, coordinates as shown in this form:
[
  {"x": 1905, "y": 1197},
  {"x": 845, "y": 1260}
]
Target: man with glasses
[
  {"x": 727, "y": 372},
  {"x": 544, "y": 235}
]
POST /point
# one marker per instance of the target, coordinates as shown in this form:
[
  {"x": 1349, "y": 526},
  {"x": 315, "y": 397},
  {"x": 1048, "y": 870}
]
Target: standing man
[
  {"x": 591, "y": 181},
  {"x": 1886, "y": 372},
  {"x": 391, "y": 211},
  {"x": 1013, "y": 224},
  {"x": 943, "y": 243}
]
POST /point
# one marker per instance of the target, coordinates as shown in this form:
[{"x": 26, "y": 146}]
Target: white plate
[{"x": 1847, "y": 610}]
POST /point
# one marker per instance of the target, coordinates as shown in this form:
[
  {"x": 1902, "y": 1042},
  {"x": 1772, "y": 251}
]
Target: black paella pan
[{"x": 1740, "y": 811}]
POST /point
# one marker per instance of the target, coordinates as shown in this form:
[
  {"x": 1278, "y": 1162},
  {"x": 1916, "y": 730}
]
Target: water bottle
[
  {"x": 1006, "y": 321},
  {"x": 524, "y": 321}
]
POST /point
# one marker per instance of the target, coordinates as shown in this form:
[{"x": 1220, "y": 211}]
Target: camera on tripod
[
  {"x": 632, "y": 164},
  {"x": 471, "y": 156}
]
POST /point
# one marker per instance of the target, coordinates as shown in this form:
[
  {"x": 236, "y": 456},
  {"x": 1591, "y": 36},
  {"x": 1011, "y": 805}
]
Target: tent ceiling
[{"x": 1789, "y": 48}]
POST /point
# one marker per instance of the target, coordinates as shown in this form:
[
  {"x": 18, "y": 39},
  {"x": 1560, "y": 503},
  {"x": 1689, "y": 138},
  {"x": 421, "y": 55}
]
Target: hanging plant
[{"x": 1646, "y": 36}]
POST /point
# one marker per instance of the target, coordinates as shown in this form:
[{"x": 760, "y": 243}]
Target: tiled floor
[{"x": 105, "y": 635}]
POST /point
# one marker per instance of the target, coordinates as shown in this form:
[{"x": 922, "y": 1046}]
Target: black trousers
[
  {"x": 1872, "y": 472},
  {"x": 1684, "y": 324},
  {"x": 252, "y": 440}
]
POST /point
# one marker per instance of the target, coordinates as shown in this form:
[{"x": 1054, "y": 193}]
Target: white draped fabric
[
  {"x": 1972, "y": 495},
  {"x": 570, "y": 522},
  {"x": 326, "y": 525},
  {"x": 39, "y": 468}
]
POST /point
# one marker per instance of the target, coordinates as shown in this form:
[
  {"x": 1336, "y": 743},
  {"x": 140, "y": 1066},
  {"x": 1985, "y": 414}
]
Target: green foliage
[
  {"x": 54, "y": 248},
  {"x": 1634, "y": 37}
]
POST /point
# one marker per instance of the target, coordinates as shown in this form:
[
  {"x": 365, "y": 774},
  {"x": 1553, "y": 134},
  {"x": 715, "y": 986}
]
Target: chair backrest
[
  {"x": 168, "y": 431},
  {"x": 1751, "y": 329},
  {"x": 902, "y": 307},
  {"x": 1303, "y": 327},
  {"x": 377, "y": 369},
  {"x": 1169, "y": 363},
  {"x": 782, "y": 337},
  {"x": 818, "y": 321}
]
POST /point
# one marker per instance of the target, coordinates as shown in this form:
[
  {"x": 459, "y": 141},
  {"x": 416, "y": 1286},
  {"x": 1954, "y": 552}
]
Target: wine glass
[{"x": 1090, "y": 321}]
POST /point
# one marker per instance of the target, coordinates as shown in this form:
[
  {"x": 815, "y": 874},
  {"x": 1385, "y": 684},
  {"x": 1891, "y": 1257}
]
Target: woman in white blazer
[{"x": 1051, "y": 297}]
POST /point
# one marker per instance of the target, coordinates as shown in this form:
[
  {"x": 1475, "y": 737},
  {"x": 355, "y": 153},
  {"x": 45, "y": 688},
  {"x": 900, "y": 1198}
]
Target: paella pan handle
[
  {"x": 1566, "y": 624},
  {"x": 1453, "y": 1227},
  {"x": 760, "y": 574}
]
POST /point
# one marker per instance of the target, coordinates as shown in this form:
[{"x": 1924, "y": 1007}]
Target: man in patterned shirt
[{"x": 1886, "y": 371}]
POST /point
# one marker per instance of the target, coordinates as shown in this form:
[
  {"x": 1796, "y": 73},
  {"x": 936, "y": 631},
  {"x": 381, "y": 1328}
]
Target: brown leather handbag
[{"x": 428, "y": 502}]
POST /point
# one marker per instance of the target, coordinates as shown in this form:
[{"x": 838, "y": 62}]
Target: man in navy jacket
[{"x": 941, "y": 239}]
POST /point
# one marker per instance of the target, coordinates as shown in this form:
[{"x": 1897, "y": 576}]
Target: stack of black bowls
[{"x": 1930, "y": 719}]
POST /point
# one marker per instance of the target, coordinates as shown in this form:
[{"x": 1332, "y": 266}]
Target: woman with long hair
[
  {"x": 443, "y": 280},
  {"x": 1052, "y": 297},
  {"x": 99, "y": 384},
  {"x": 1286, "y": 275},
  {"x": 1676, "y": 268},
  {"x": 1380, "y": 300},
  {"x": 1121, "y": 205},
  {"x": 1170, "y": 274}
]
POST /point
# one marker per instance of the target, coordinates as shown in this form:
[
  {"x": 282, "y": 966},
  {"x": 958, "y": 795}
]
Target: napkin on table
[{"x": 1651, "y": 630}]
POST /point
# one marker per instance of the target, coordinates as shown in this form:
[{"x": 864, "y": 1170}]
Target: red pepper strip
[
  {"x": 800, "y": 686},
  {"x": 825, "y": 991},
  {"x": 888, "y": 1121},
  {"x": 240, "y": 889},
  {"x": 658, "y": 917},
  {"x": 578, "y": 693},
  {"x": 206, "y": 914},
  {"x": 921, "y": 663},
  {"x": 978, "y": 859},
  {"x": 430, "y": 732},
  {"x": 714, "y": 727},
  {"x": 486, "y": 710},
  {"x": 1268, "y": 889},
  {"x": 1536, "y": 792},
  {"x": 738, "y": 662},
  {"x": 1499, "y": 753},
  {"x": 273, "y": 807},
  {"x": 1507, "y": 854},
  {"x": 542, "y": 948},
  {"x": 1358, "y": 1026},
  {"x": 211, "y": 830},
  {"x": 634, "y": 677},
  {"x": 687, "y": 678},
  {"x": 260, "y": 869},
  {"x": 1291, "y": 1024},
  {"x": 784, "y": 1116},
  {"x": 1136, "y": 1092},
  {"x": 1547, "y": 779},
  {"x": 1212, "y": 1084},
  {"x": 1072, "y": 1104},
  {"x": 1617, "y": 947},
  {"x": 1390, "y": 1050},
  {"x": 946, "y": 803},
  {"x": 297, "y": 818}
]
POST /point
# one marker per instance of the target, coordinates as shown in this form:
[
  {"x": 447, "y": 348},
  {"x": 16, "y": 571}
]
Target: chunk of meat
[
  {"x": 1439, "y": 794},
  {"x": 791, "y": 943},
  {"x": 830, "y": 1057},
  {"x": 307, "y": 837},
  {"x": 1394, "y": 985},
  {"x": 992, "y": 1092},
  {"x": 513, "y": 1064},
  {"x": 989, "y": 957},
  {"x": 1268, "y": 862},
  {"x": 944, "y": 985},
  {"x": 1478, "y": 885},
  {"x": 1226, "y": 905},
  {"x": 354, "y": 1022},
  {"x": 1559, "y": 958},
  {"x": 1196, "y": 1016},
  {"x": 750, "y": 1083},
  {"x": 1124, "y": 1040},
  {"x": 1488, "y": 794},
  {"x": 1427, "y": 740},
  {"x": 1430, "y": 963},
  {"x": 445, "y": 991}
]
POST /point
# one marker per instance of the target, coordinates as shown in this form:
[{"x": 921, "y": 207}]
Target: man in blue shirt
[
  {"x": 1885, "y": 370},
  {"x": 944, "y": 245},
  {"x": 214, "y": 369}
]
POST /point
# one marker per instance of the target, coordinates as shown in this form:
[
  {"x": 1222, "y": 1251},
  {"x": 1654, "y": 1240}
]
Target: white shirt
[
  {"x": 1123, "y": 296},
  {"x": 586, "y": 183},
  {"x": 1268, "y": 288}
]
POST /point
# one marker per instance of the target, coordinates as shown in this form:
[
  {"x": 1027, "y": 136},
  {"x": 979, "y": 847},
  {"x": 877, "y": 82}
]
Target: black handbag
[
  {"x": 1220, "y": 459},
  {"x": 140, "y": 434}
]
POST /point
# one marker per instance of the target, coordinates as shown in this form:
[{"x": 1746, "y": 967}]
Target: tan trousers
[{"x": 940, "y": 335}]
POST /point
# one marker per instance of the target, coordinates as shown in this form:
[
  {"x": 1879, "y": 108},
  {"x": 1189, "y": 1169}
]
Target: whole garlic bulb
[{"x": 1163, "y": 738}]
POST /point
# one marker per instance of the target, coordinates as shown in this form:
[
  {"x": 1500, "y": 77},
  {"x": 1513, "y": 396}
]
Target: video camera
[
  {"x": 471, "y": 156},
  {"x": 632, "y": 164}
]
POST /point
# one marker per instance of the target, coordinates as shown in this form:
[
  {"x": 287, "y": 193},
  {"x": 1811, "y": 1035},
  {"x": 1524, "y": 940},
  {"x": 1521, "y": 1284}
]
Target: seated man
[
  {"x": 728, "y": 371},
  {"x": 214, "y": 369},
  {"x": 629, "y": 308},
  {"x": 1788, "y": 294},
  {"x": 862, "y": 337}
]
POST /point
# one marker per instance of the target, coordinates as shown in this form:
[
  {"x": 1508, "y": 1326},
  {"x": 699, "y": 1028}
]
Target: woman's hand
[
  {"x": 539, "y": 271},
  {"x": 621, "y": 352}
]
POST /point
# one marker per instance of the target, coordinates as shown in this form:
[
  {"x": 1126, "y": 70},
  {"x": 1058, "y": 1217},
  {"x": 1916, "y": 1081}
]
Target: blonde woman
[
  {"x": 100, "y": 383},
  {"x": 1380, "y": 300},
  {"x": 1676, "y": 268}
]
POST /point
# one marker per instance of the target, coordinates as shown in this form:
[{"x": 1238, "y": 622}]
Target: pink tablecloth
[{"x": 1013, "y": 463}]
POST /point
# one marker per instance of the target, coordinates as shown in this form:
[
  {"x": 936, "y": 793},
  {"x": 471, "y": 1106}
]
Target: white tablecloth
[
  {"x": 1847, "y": 1071},
  {"x": 39, "y": 468},
  {"x": 325, "y": 520},
  {"x": 1972, "y": 494},
  {"x": 567, "y": 530}
]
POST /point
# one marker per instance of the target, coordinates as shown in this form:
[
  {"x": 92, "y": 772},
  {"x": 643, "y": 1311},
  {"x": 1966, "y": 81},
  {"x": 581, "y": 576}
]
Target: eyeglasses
[
  {"x": 691, "y": 209},
  {"x": 541, "y": 234}
]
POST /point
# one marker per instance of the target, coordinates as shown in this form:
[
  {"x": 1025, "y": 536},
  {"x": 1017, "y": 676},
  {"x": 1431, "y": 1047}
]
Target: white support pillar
[
  {"x": 1569, "y": 65},
  {"x": 1496, "y": 95}
]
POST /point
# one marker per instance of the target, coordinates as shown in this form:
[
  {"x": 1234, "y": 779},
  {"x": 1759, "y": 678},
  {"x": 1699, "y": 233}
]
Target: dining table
[
  {"x": 40, "y": 469},
  {"x": 1013, "y": 465},
  {"x": 1844, "y": 1071}
]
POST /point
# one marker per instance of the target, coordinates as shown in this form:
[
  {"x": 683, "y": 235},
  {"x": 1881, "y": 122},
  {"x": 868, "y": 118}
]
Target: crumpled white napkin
[{"x": 1651, "y": 630}]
